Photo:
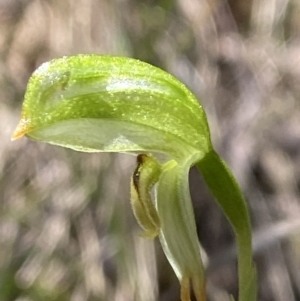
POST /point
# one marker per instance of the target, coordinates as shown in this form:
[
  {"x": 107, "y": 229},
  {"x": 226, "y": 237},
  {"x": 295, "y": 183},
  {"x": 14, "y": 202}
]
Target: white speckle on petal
[{"x": 42, "y": 69}]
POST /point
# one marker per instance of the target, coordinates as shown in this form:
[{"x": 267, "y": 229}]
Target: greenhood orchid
[{"x": 97, "y": 103}]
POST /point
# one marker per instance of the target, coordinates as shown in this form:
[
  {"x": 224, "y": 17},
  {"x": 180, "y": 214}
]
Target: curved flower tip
[{"x": 22, "y": 128}]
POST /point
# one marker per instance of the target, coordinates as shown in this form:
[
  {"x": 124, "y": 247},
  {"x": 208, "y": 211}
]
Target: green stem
[{"x": 228, "y": 194}]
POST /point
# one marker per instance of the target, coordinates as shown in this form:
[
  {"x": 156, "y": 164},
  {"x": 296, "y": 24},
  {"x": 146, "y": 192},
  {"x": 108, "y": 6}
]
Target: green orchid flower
[{"x": 96, "y": 103}]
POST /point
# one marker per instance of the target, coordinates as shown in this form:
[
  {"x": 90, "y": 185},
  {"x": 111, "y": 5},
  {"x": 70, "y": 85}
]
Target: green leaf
[{"x": 111, "y": 104}]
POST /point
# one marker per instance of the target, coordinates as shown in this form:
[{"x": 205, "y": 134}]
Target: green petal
[
  {"x": 107, "y": 135},
  {"x": 76, "y": 92},
  {"x": 178, "y": 230}
]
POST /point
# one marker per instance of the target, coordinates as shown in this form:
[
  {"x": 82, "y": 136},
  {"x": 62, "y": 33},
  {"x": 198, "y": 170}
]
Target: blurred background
[{"x": 66, "y": 228}]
